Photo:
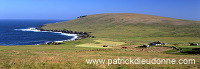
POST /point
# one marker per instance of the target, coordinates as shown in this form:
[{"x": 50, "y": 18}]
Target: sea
[{"x": 22, "y": 32}]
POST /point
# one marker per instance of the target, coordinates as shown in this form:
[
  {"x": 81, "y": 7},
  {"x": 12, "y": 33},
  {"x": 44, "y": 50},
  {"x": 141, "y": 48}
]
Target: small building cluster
[
  {"x": 154, "y": 44},
  {"x": 53, "y": 43},
  {"x": 157, "y": 43}
]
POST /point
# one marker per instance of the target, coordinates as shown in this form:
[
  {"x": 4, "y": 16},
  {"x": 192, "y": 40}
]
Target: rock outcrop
[{"x": 80, "y": 35}]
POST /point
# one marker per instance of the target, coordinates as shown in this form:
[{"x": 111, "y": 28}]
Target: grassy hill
[
  {"x": 133, "y": 27},
  {"x": 114, "y": 30}
]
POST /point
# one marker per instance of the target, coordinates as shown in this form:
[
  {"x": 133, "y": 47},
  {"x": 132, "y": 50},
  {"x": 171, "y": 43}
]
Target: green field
[{"x": 114, "y": 30}]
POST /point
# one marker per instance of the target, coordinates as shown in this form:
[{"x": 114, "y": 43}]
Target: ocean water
[{"x": 23, "y": 32}]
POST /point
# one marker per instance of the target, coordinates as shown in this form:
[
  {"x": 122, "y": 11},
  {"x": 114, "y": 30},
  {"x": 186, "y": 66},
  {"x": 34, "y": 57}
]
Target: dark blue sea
[{"x": 23, "y": 32}]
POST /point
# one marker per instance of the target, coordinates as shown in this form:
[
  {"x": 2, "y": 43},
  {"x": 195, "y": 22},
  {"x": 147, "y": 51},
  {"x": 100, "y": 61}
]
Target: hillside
[
  {"x": 114, "y": 30},
  {"x": 129, "y": 26},
  {"x": 108, "y": 19}
]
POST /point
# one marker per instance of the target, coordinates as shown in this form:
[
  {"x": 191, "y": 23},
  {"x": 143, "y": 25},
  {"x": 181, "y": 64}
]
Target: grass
[
  {"x": 101, "y": 43},
  {"x": 68, "y": 55},
  {"x": 185, "y": 50},
  {"x": 112, "y": 30}
]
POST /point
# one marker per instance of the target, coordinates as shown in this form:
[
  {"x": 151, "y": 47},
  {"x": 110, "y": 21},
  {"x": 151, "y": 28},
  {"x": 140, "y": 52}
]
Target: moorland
[{"x": 115, "y": 30}]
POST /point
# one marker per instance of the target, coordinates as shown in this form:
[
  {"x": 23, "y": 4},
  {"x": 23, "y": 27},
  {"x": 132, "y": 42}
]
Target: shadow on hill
[
  {"x": 193, "y": 51},
  {"x": 184, "y": 51}
]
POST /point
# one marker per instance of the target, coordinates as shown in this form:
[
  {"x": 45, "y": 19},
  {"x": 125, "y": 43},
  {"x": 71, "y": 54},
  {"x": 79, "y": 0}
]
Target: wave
[{"x": 33, "y": 29}]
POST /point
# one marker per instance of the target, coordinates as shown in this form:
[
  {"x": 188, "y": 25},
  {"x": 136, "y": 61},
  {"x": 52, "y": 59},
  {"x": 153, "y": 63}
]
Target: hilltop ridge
[
  {"x": 129, "y": 25},
  {"x": 132, "y": 18},
  {"x": 119, "y": 18}
]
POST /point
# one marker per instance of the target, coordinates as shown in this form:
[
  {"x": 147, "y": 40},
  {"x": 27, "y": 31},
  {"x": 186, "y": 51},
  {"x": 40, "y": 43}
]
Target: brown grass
[{"x": 111, "y": 29}]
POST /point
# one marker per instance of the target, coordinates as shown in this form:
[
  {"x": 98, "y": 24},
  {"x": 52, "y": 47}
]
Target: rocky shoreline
[{"x": 80, "y": 35}]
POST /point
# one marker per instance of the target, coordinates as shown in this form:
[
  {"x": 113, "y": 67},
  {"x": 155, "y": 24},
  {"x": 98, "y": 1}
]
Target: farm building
[{"x": 157, "y": 43}]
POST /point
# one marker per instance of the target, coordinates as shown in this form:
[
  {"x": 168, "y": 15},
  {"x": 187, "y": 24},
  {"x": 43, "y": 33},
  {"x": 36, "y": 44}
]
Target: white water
[{"x": 33, "y": 29}]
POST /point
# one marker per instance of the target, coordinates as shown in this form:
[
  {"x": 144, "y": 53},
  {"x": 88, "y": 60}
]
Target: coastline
[{"x": 77, "y": 35}]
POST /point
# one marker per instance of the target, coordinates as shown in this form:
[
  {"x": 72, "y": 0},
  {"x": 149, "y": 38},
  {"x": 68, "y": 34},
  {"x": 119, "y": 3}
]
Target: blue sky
[{"x": 70, "y": 9}]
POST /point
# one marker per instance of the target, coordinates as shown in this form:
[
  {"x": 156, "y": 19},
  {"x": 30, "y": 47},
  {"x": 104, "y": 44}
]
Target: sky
[{"x": 70, "y": 9}]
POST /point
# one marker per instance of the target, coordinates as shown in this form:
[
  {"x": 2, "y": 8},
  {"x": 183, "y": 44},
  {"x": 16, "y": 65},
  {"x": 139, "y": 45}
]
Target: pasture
[
  {"x": 116, "y": 31},
  {"x": 69, "y": 55}
]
